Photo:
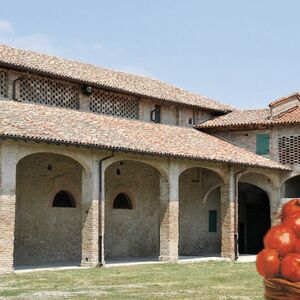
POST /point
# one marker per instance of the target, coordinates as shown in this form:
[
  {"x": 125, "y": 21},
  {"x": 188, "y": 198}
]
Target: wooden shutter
[{"x": 262, "y": 143}]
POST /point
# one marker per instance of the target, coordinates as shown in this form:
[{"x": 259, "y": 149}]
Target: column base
[
  {"x": 89, "y": 264},
  {"x": 4, "y": 271},
  {"x": 230, "y": 256},
  {"x": 171, "y": 259}
]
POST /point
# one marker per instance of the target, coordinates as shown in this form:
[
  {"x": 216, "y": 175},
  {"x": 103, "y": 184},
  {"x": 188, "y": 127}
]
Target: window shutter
[
  {"x": 262, "y": 143},
  {"x": 212, "y": 221}
]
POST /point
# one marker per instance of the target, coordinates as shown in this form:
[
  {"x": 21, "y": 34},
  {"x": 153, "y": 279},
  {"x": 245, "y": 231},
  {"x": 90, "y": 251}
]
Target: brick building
[{"x": 97, "y": 164}]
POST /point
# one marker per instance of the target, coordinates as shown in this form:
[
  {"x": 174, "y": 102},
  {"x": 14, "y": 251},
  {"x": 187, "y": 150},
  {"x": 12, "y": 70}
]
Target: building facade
[{"x": 97, "y": 165}]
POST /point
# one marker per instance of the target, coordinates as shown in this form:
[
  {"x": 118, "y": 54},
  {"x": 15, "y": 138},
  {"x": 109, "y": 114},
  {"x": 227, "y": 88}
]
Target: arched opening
[
  {"x": 45, "y": 230},
  {"x": 63, "y": 199},
  {"x": 199, "y": 213},
  {"x": 292, "y": 187},
  {"x": 131, "y": 211},
  {"x": 122, "y": 201},
  {"x": 253, "y": 218}
]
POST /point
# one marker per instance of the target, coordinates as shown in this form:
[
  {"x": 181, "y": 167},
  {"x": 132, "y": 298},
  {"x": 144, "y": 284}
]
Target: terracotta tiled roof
[
  {"x": 42, "y": 123},
  {"x": 238, "y": 118},
  {"x": 247, "y": 118},
  {"x": 285, "y": 98},
  {"x": 105, "y": 78}
]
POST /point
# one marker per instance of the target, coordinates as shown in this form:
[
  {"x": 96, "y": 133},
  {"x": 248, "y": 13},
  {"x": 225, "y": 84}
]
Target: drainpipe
[
  {"x": 236, "y": 217},
  {"x": 100, "y": 203}
]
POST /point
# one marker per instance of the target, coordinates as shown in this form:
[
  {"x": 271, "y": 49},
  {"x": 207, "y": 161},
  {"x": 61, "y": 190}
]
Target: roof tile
[
  {"x": 246, "y": 118},
  {"x": 38, "y": 122},
  {"x": 105, "y": 78}
]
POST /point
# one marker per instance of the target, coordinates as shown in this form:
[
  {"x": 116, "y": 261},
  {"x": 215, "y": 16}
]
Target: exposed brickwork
[
  {"x": 7, "y": 208},
  {"x": 169, "y": 227},
  {"x": 49, "y": 92},
  {"x": 132, "y": 232},
  {"x": 114, "y": 104},
  {"x": 42, "y": 230},
  {"x": 90, "y": 218},
  {"x": 289, "y": 149},
  {"x": 227, "y": 221}
]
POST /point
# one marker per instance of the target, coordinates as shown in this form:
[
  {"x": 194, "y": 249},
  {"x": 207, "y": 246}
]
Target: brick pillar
[
  {"x": 8, "y": 164},
  {"x": 227, "y": 217},
  {"x": 169, "y": 215},
  {"x": 90, "y": 218}
]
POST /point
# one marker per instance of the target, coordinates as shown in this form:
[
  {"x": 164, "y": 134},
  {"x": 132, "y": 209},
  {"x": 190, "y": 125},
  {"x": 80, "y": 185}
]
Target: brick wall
[
  {"x": 132, "y": 233},
  {"x": 45, "y": 233}
]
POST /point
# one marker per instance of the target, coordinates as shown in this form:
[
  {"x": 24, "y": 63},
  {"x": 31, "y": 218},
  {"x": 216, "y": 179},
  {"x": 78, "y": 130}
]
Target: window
[
  {"x": 122, "y": 201},
  {"x": 3, "y": 84},
  {"x": 63, "y": 199},
  {"x": 262, "y": 143},
  {"x": 212, "y": 221},
  {"x": 48, "y": 92},
  {"x": 156, "y": 114},
  {"x": 192, "y": 121},
  {"x": 114, "y": 104}
]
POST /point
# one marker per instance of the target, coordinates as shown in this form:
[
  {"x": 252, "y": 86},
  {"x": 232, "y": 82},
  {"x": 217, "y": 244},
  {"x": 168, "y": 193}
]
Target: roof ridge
[{"x": 284, "y": 98}]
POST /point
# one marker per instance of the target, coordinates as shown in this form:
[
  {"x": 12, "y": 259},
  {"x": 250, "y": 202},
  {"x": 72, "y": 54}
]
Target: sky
[{"x": 244, "y": 53}]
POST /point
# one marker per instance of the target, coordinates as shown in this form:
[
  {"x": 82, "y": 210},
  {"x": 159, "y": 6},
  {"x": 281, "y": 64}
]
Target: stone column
[
  {"x": 227, "y": 216},
  {"x": 8, "y": 164},
  {"x": 90, "y": 217},
  {"x": 169, "y": 216}
]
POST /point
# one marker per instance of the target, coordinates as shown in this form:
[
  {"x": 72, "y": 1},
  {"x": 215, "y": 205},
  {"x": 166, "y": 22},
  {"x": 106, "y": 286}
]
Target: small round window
[
  {"x": 64, "y": 199},
  {"x": 122, "y": 201}
]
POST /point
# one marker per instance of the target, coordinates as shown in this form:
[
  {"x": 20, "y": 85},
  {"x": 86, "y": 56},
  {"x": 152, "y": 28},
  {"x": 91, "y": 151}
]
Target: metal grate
[
  {"x": 3, "y": 84},
  {"x": 289, "y": 149},
  {"x": 49, "y": 92},
  {"x": 114, "y": 104}
]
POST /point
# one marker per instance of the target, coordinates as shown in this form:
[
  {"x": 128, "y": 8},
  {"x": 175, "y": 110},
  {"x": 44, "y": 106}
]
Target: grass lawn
[{"x": 211, "y": 280}]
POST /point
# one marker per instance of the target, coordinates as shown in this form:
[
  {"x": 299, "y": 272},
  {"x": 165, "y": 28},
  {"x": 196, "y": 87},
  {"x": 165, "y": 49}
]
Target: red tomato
[
  {"x": 268, "y": 263},
  {"x": 297, "y": 247},
  {"x": 290, "y": 207},
  {"x": 280, "y": 238},
  {"x": 290, "y": 267},
  {"x": 293, "y": 221}
]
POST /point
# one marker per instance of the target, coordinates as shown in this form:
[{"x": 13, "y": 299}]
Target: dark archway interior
[
  {"x": 64, "y": 199},
  {"x": 122, "y": 201},
  {"x": 254, "y": 218},
  {"x": 292, "y": 187}
]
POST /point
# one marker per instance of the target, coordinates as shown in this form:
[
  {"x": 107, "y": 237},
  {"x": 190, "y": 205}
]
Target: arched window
[
  {"x": 122, "y": 201},
  {"x": 64, "y": 199}
]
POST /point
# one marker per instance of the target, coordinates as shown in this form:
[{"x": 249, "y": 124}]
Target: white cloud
[
  {"x": 6, "y": 27},
  {"x": 93, "y": 51},
  {"x": 35, "y": 41}
]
